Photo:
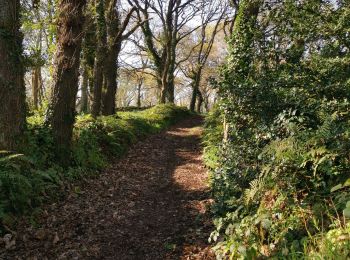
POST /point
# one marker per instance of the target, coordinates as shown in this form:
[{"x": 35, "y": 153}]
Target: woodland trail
[{"x": 151, "y": 204}]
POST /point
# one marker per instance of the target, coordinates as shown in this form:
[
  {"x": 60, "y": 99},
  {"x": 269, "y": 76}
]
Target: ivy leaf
[
  {"x": 266, "y": 224},
  {"x": 346, "y": 212},
  {"x": 337, "y": 187},
  {"x": 347, "y": 183}
]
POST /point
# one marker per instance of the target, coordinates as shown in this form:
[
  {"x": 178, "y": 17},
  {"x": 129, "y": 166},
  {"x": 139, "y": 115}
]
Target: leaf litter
[{"x": 150, "y": 204}]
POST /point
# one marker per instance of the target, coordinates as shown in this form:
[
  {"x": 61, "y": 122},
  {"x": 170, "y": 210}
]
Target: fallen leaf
[
  {"x": 40, "y": 234},
  {"x": 56, "y": 239}
]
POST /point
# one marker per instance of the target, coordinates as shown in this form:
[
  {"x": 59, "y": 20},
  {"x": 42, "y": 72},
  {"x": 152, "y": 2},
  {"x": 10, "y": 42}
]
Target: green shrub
[{"x": 280, "y": 181}]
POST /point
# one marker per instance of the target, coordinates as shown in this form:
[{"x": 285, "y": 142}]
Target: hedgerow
[{"x": 281, "y": 178}]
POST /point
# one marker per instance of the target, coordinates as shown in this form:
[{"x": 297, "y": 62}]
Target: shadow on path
[{"x": 151, "y": 204}]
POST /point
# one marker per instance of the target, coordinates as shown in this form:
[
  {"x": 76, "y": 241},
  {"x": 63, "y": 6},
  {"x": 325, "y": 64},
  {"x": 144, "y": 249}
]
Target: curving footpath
[{"x": 151, "y": 204}]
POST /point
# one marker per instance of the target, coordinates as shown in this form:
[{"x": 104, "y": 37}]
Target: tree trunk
[
  {"x": 171, "y": 91},
  {"x": 35, "y": 87},
  {"x": 97, "y": 94},
  {"x": 111, "y": 67},
  {"x": 195, "y": 87},
  {"x": 12, "y": 89},
  {"x": 206, "y": 103},
  {"x": 139, "y": 93},
  {"x": 114, "y": 45},
  {"x": 89, "y": 47},
  {"x": 193, "y": 98},
  {"x": 199, "y": 101},
  {"x": 161, "y": 87},
  {"x": 100, "y": 57},
  {"x": 171, "y": 73},
  {"x": 41, "y": 90},
  {"x": 91, "y": 89},
  {"x": 163, "y": 94},
  {"x": 167, "y": 79},
  {"x": 84, "y": 91},
  {"x": 62, "y": 109}
]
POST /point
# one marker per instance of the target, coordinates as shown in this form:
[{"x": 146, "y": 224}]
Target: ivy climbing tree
[
  {"x": 61, "y": 114},
  {"x": 12, "y": 89}
]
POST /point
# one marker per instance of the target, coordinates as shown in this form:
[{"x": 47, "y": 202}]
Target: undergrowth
[
  {"x": 33, "y": 177},
  {"x": 289, "y": 196},
  {"x": 280, "y": 179}
]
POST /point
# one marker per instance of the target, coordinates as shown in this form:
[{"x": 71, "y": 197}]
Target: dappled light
[
  {"x": 174, "y": 129},
  {"x": 145, "y": 206}
]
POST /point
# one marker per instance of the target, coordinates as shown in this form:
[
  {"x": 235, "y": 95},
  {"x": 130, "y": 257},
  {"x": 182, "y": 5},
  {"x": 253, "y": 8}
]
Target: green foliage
[
  {"x": 280, "y": 180},
  {"x": 212, "y": 137},
  {"x": 29, "y": 179}
]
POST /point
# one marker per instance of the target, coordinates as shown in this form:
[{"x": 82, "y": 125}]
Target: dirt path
[{"x": 149, "y": 205}]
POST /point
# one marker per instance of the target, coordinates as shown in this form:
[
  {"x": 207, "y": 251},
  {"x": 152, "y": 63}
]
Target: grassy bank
[{"x": 30, "y": 178}]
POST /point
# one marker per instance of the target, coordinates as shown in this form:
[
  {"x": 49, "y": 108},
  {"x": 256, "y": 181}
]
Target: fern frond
[{"x": 255, "y": 187}]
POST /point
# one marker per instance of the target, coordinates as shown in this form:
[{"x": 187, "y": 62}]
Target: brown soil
[{"x": 151, "y": 204}]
